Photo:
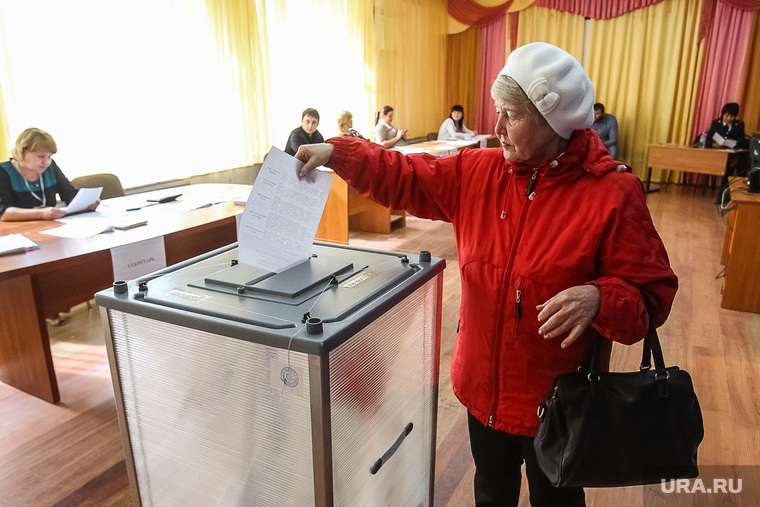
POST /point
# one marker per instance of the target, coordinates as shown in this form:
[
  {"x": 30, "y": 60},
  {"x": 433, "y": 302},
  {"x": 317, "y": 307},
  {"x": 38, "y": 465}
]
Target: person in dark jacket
[
  {"x": 554, "y": 238},
  {"x": 30, "y": 180},
  {"x": 727, "y": 127},
  {"x": 727, "y": 132},
  {"x": 307, "y": 133}
]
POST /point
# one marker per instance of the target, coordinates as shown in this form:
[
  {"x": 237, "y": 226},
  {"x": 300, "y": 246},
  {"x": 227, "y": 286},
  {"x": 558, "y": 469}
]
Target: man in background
[
  {"x": 607, "y": 128},
  {"x": 307, "y": 133}
]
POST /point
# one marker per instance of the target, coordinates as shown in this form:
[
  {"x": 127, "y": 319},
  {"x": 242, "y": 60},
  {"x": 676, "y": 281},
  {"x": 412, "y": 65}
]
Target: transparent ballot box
[{"x": 314, "y": 386}]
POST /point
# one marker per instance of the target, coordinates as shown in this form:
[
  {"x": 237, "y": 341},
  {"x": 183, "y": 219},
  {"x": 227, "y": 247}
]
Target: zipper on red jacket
[
  {"x": 504, "y": 285},
  {"x": 518, "y": 305}
]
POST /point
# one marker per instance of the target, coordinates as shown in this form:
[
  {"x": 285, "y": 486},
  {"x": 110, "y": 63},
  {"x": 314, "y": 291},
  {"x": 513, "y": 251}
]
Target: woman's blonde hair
[
  {"x": 344, "y": 118},
  {"x": 34, "y": 140},
  {"x": 505, "y": 89}
]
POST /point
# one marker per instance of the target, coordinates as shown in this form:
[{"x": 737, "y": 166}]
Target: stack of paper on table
[{"x": 16, "y": 243}]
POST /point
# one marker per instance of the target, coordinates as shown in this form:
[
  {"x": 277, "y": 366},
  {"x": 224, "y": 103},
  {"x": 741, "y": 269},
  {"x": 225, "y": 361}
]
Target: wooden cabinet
[{"x": 741, "y": 251}]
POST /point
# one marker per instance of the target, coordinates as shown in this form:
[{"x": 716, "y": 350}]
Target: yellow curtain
[
  {"x": 562, "y": 29},
  {"x": 462, "y": 57},
  {"x": 362, "y": 20},
  {"x": 411, "y": 53},
  {"x": 645, "y": 67},
  {"x": 750, "y": 96},
  {"x": 241, "y": 37},
  {"x": 5, "y": 138},
  {"x": 267, "y": 47}
]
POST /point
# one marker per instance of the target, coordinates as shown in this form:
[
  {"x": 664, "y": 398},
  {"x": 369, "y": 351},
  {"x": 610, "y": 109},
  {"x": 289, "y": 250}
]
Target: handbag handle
[{"x": 652, "y": 349}]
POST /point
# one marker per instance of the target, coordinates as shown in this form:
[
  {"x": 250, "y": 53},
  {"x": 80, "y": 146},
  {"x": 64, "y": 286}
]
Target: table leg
[
  {"x": 649, "y": 182},
  {"x": 26, "y": 361}
]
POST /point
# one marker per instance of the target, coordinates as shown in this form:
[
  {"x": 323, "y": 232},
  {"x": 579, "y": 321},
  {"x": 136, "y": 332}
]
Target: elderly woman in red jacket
[{"x": 553, "y": 237}]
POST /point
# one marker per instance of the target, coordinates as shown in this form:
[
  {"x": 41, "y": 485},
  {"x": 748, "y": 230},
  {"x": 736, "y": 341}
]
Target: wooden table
[
  {"x": 347, "y": 209},
  {"x": 65, "y": 272},
  {"x": 741, "y": 250},
  {"x": 682, "y": 158}
]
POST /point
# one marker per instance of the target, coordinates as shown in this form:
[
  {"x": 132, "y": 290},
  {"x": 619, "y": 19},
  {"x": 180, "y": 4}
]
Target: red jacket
[{"x": 586, "y": 221}]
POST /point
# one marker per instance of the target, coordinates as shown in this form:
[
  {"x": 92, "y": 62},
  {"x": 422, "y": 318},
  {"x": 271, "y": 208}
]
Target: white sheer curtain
[
  {"x": 139, "y": 89},
  {"x": 132, "y": 88},
  {"x": 317, "y": 59}
]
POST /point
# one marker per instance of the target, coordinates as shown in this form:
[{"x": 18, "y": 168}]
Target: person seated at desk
[
  {"x": 728, "y": 132},
  {"x": 385, "y": 133},
  {"x": 607, "y": 128},
  {"x": 307, "y": 133},
  {"x": 453, "y": 126},
  {"x": 346, "y": 124},
  {"x": 30, "y": 180},
  {"x": 727, "y": 127}
]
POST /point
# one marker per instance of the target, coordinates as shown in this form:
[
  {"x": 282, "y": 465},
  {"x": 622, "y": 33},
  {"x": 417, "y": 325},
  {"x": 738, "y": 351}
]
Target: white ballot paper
[
  {"x": 282, "y": 214},
  {"x": 83, "y": 199}
]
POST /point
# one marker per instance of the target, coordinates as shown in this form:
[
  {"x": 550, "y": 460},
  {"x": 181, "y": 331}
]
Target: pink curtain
[
  {"x": 708, "y": 12},
  {"x": 724, "y": 57},
  {"x": 492, "y": 47},
  {"x": 472, "y": 13},
  {"x": 597, "y": 9},
  {"x": 747, "y": 5},
  {"x": 720, "y": 82}
]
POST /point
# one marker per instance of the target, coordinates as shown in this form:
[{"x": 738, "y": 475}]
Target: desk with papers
[
  {"x": 683, "y": 158},
  {"x": 65, "y": 271},
  {"x": 445, "y": 147}
]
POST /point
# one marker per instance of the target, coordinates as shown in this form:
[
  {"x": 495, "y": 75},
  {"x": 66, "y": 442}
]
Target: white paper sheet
[
  {"x": 137, "y": 259},
  {"x": 81, "y": 228},
  {"x": 83, "y": 199},
  {"x": 16, "y": 243},
  {"x": 282, "y": 214}
]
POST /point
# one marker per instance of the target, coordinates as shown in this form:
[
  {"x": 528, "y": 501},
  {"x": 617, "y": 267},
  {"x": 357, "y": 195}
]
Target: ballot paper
[
  {"x": 283, "y": 211},
  {"x": 84, "y": 198}
]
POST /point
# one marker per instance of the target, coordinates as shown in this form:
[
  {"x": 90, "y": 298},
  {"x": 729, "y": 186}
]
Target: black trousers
[{"x": 498, "y": 456}]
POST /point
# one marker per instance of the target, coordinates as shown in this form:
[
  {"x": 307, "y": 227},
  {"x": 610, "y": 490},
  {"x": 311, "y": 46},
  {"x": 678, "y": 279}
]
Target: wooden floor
[{"x": 70, "y": 453}]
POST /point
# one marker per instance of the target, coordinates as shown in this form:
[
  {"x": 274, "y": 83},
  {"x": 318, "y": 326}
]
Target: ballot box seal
[{"x": 289, "y": 376}]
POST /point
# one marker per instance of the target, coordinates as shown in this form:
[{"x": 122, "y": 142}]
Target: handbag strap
[{"x": 652, "y": 349}]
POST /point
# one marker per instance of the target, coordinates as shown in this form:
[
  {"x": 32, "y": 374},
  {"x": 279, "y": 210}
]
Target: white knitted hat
[{"x": 556, "y": 84}]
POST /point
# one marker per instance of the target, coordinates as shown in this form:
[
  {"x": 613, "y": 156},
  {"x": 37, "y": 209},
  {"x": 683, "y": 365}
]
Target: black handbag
[{"x": 620, "y": 429}]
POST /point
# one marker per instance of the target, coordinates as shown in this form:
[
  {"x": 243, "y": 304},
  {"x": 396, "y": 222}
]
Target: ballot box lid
[{"x": 312, "y": 307}]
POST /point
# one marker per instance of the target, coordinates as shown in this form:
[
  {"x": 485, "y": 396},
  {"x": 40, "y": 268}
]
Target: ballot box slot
[
  {"x": 292, "y": 283},
  {"x": 301, "y": 278}
]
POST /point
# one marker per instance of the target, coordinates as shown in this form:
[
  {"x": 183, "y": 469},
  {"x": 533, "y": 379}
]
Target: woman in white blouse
[
  {"x": 385, "y": 133},
  {"x": 453, "y": 126}
]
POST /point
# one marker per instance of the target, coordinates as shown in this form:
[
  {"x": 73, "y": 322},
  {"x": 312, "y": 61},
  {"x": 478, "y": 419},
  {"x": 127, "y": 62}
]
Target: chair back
[
  {"x": 432, "y": 136},
  {"x": 110, "y": 183}
]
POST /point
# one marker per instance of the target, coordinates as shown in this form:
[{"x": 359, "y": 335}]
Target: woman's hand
[
  {"x": 570, "y": 310},
  {"x": 313, "y": 156},
  {"x": 93, "y": 206},
  {"x": 51, "y": 213},
  {"x": 403, "y": 134}
]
